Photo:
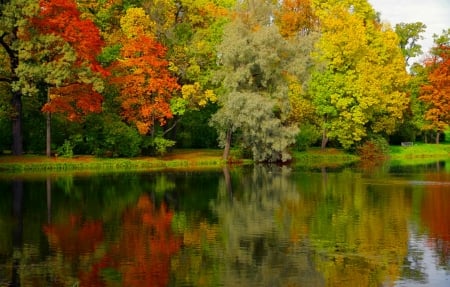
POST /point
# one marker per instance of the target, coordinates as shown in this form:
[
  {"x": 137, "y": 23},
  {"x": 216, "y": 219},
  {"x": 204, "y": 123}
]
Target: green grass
[
  {"x": 330, "y": 157},
  {"x": 180, "y": 159},
  {"x": 420, "y": 150},
  {"x": 419, "y": 153},
  {"x": 191, "y": 159}
]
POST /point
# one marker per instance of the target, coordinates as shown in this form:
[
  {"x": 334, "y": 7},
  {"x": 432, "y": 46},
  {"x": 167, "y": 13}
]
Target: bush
[
  {"x": 307, "y": 136},
  {"x": 375, "y": 148},
  {"x": 158, "y": 145},
  {"x": 119, "y": 139}
]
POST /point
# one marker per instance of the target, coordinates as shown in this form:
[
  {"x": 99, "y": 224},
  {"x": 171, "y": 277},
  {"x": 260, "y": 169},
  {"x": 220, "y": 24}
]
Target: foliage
[
  {"x": 307, "y": 136},
  {"x": 349, "y": 86},
  {"x": 144, "y": 93},
  {"x": 119, "y": 139},
  {"x": 437, "y": 91},
  {"x": 376, "y": 148},
  {"x": 158, "y": 144},
  {"x": 410, "y": 34},
  {"x": 254, "y": 73}
]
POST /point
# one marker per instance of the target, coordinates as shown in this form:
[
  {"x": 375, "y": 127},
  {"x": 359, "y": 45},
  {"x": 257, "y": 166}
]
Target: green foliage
[
  {"x": 66, "y": 149},
  {"x": 308, "y": 135},
  {"x": 117, "y": 139},
  {"x": 109, "y": 54},
  {"x": 160, "y": 145},
  {"x": 409, "y": 34}
]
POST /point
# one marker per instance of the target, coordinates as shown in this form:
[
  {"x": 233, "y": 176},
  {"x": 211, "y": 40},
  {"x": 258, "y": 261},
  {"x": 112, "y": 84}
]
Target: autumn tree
[
  {"x": 436, "y": 92},
  {"x": 358, "y": 86},
  {"x": 142, "y": 75},
  {"x": 53, "y": 48},
  {"x": 296, "y": 17}
]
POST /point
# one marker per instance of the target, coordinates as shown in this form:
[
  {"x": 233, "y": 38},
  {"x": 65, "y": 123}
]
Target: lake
[{"x": 238, "y": 226}]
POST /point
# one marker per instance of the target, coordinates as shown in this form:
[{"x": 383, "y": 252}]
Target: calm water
[{"x": 262, "y": 226}]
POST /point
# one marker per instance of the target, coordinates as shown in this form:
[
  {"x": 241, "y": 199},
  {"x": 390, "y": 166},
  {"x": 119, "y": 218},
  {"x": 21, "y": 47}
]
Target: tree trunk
[
  {"x": 226, "y": 150},
  {"x": 17, "y": 144},
  {"x": 48, "y": 141},
  {"x": 437, "y": 137},
  {"x": 324, "y": 138}
]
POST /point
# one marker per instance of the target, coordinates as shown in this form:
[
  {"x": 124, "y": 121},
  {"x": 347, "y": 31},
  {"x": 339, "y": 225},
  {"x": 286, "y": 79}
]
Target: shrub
[
  {"x": 307, "y": 136},
  {"x": 119, "y": 140},
  {"x": 375, "y": 148}
]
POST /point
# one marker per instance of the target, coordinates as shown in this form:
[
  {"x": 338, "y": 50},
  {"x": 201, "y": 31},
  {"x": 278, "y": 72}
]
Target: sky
[{"x": 435, "y": 14}]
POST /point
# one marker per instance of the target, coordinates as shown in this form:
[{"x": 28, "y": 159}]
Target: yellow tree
[{"x": 359, "y": 87}]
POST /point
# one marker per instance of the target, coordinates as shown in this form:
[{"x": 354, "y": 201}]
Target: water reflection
[{"x": 261, "y": 226}]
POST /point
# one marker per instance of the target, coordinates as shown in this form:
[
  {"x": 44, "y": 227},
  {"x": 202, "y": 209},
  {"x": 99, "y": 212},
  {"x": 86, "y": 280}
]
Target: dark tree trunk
[
  {"x": 226, "y": 150},
  {"x": 17, "y": 144},
  {"x": 49, "y": 135}
]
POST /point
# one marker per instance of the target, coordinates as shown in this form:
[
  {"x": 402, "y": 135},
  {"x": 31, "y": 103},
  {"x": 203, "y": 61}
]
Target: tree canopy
[{"x": 263, "y": 77}]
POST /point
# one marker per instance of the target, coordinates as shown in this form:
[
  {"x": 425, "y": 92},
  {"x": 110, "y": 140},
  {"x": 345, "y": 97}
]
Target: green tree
[
  {"x": 255, "y": 60},
  {"x": 409, "y": 34},
  {"x": 358, "y": 86}
]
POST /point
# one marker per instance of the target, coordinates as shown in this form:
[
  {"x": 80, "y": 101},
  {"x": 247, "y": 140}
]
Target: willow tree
[
  {"x": 359, "y": 89},
  {"x": 254, "y": 61}
]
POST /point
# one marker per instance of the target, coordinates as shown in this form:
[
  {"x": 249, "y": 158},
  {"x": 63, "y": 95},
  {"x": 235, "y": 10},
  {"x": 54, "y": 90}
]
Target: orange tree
[
  {"x": 436, "y": 93},
  {"x": 141, "y": 75}
]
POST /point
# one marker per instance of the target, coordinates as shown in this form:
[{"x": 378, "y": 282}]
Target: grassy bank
[
  {"x": 330, "y": 157},
  {"x": 178, "y": 159},
  {"x": 191, "y": 159},
  {"x": 419, "y": 153}
]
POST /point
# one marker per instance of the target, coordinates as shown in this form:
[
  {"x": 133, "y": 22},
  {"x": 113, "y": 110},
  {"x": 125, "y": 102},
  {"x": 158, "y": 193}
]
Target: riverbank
[{"x": 313, "y": 157}]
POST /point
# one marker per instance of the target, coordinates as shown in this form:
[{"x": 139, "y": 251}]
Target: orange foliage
[
  {"x": 146, "y": 245},
  {"x": 437, "y": 92},
  {"x": 145, "y": 83},
  {"x": 296, "y": 17},
  {"x": 74, "y": 101}
]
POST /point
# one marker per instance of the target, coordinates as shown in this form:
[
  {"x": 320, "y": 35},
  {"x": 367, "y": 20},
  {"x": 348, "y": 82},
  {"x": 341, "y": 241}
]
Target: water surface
[{"x": 261, "y": 226}]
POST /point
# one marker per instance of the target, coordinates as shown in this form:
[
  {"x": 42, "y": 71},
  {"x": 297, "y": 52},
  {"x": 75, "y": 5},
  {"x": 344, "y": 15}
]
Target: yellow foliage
[
  {"x": 196, "y": 97},
  {"x": 136, "y": 22}
]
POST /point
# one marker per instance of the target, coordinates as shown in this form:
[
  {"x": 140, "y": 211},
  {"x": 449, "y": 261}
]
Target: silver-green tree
[{"x": 255, "y": 61}]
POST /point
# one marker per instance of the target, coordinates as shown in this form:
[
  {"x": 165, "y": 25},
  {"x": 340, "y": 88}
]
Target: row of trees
[{"x": 129, "y": 77}]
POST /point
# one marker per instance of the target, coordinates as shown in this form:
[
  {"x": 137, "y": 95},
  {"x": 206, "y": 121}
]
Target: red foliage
[
  {"x": 62, "y": 18},
  {"x": 74, "y": 101},
  {"x": 76, "y": 237},
  {"x": 435, "y": 214}
]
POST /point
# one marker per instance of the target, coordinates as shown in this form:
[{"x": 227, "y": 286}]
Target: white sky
[{"x": 435, "y": 14}]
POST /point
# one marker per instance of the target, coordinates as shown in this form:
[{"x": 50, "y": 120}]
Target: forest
[{"x": 125, "y": 78}]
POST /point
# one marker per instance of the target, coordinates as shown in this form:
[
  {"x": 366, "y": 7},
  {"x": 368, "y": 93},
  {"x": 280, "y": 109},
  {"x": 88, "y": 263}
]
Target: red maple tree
[{"x": 75, "y": 97}]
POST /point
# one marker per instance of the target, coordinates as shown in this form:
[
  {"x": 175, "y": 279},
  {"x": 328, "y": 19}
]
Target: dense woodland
[{"x": 138, "y": 77}]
